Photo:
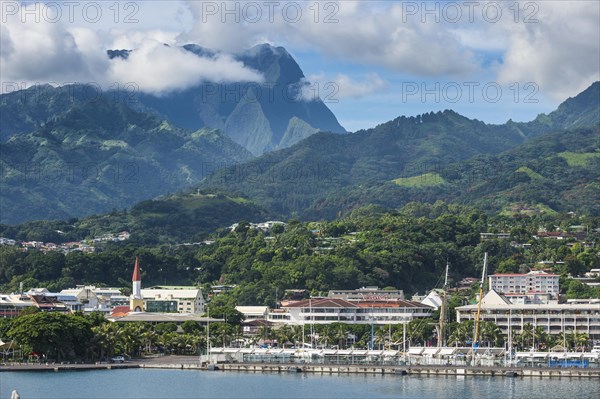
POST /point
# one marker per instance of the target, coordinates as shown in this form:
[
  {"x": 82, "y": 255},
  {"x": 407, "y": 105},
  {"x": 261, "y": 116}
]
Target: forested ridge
[{"x": 405, "y": 249}]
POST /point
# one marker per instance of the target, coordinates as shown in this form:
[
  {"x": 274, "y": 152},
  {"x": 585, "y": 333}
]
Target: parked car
[{"x": 118, "y": 359}]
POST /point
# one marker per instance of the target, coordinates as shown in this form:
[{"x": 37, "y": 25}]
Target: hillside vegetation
[
  {"x": 432, "y": 156},
  {"x": 406, "y": 249},
  {"x": 101, "y": 155}
]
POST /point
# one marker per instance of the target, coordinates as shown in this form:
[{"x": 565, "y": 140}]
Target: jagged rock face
[
  {"x": 326, "y": 174},
  {"x": 255, "y": 115}
]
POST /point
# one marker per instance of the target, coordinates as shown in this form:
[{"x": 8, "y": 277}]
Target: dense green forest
[
  {"x": 170, "y": 219},
  {"x": 549, "y": 164},
  {"x": 557, "y": 172},
  {"x": 406, "y": 249},
  {"x": 99, "y": 155}
]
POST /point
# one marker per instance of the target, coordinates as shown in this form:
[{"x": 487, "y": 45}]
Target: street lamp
[
  {"x": 207, "y": 334},
  {"x": 371, "y": 343}
]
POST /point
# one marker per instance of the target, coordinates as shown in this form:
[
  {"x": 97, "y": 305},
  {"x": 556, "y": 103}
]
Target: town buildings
[
  {"x": 335, "y": 310},
  {"x": 529, "y": 283},
  {"x": 173, "y": 299},
  {"x": 366, "y": 305},
  {"x": 13, "y": 304},
  {"x": 367, "y": 294},
  {"x": 582, "y": 316}
]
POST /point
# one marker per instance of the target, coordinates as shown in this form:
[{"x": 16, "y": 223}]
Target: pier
[
  {"x": 192, "y": 363},
  {"x": 66, "y": 366},
  {"x": 416, "y": 370}
]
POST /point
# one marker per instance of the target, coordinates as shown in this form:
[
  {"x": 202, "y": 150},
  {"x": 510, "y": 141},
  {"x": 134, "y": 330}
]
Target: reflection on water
[{"x": 155, "y": 384}]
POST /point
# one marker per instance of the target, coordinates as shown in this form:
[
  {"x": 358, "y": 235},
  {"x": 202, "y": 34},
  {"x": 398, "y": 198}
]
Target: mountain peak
[
  {"x": 272, "y": 116},
  {"x": 579, "y": 111},
  {"x": 266, "y": 48},
  {"x": 199, "y": 50}
]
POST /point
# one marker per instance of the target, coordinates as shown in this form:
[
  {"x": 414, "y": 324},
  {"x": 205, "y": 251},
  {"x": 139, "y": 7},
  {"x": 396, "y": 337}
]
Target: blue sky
[{"x": 486, "y": 60}]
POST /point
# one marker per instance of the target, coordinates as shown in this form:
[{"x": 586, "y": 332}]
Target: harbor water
[{"x": 181, "y": 384}]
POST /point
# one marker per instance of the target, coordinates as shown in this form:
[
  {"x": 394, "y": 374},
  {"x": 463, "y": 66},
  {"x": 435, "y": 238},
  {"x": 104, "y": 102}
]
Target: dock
[
  {"x": 192, "y": 363},
  {"x": 510, "y": 372},
  {"x": 66, "y": 366}
]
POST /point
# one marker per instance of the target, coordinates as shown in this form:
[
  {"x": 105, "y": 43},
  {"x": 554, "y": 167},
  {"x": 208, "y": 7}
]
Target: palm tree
[
  {"x": 265, "y": 333},
  {"x": 296, "y": 334},
  {"x": 237, "y": 333},
  {"x": 581, "y": 340},
  {"x": 541, "y": 338},
  {"x": 526, "y": 336},
  {"x": 167, "y": 341},
  {"x": 398, "y": 335},
  {"x": 490, "y": 333},
  {"x": 284, "y": 334},
  {"x": 326, "y": 334},
  {"x": 419, "y": 331},
  {"x": 381, "y": 336},
  {"x": 149, "y": 339},
  {"x": 104, "y": 339},
  {"x": 340, "y": 335},
  {"x": 462, "y": 333},
  {"x": 222, "y": 334}
]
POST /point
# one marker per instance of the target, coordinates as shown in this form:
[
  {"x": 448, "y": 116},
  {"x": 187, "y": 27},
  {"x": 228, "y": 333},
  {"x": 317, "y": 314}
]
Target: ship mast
[
  {"x": 476, "y": 337},
  {"x": 441, "y": 338}
]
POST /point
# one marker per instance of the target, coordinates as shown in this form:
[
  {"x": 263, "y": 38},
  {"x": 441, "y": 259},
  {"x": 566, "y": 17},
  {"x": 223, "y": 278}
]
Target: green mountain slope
[
  {"x": 101, "y": 155},
  {"x": 555, "y": 172},
  {"x": 326, "y": 173},
  {"x": 176, "y": 218}
]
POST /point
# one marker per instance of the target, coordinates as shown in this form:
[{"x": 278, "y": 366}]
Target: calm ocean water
[{"x": 181, "y": 384}]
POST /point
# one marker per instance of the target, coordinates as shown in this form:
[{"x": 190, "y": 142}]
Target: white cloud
[
  {"x": 560, "y": 53},
  {"x": 60, "y": 53},
  {"x": 554, "y": 44},
  {"x": 40, "y": 52},
  {"x": 361, "y": 32},
  {"x": 157, "y": 68}
]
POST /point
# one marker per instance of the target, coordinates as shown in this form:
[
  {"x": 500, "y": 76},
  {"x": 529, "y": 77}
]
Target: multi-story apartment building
[
  {"x": 13, "y": 304},
  {"x": 332, "y": 310},
  {"x": 553, "y": 317},
  {"x": 532, "y": 282}
]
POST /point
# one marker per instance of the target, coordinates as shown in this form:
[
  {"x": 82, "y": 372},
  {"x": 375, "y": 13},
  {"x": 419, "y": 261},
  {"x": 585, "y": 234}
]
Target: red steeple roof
[{"x": 136, "y": 271}]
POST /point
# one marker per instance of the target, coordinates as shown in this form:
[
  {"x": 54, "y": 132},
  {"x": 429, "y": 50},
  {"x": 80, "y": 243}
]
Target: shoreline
[
  {"x": 67, "y": 367},
  {"x": 192, "y": 363}
]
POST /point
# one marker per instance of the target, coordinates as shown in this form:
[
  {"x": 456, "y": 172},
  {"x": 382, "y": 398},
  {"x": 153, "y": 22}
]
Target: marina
[{"x": 340, "y": 368}]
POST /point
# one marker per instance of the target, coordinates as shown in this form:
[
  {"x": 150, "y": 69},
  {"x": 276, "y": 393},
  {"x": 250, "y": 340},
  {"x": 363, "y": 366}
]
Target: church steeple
[{"x": 136, "y": 301}]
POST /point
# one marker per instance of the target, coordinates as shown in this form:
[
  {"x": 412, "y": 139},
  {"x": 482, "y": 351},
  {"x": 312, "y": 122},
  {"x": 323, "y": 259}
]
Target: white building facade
[
  {"x": 552, "y": 317},
  {"x": 174, "y": 299},
  {"x": 333, "y": 310},
  {"x": 532, "y": 282}
]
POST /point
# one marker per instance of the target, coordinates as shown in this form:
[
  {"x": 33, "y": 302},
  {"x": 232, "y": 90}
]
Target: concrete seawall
[
  {"x": 191, "y": 363},
  {"x": 419, "y": 370},
  {"x": 66, "y": 367}
]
